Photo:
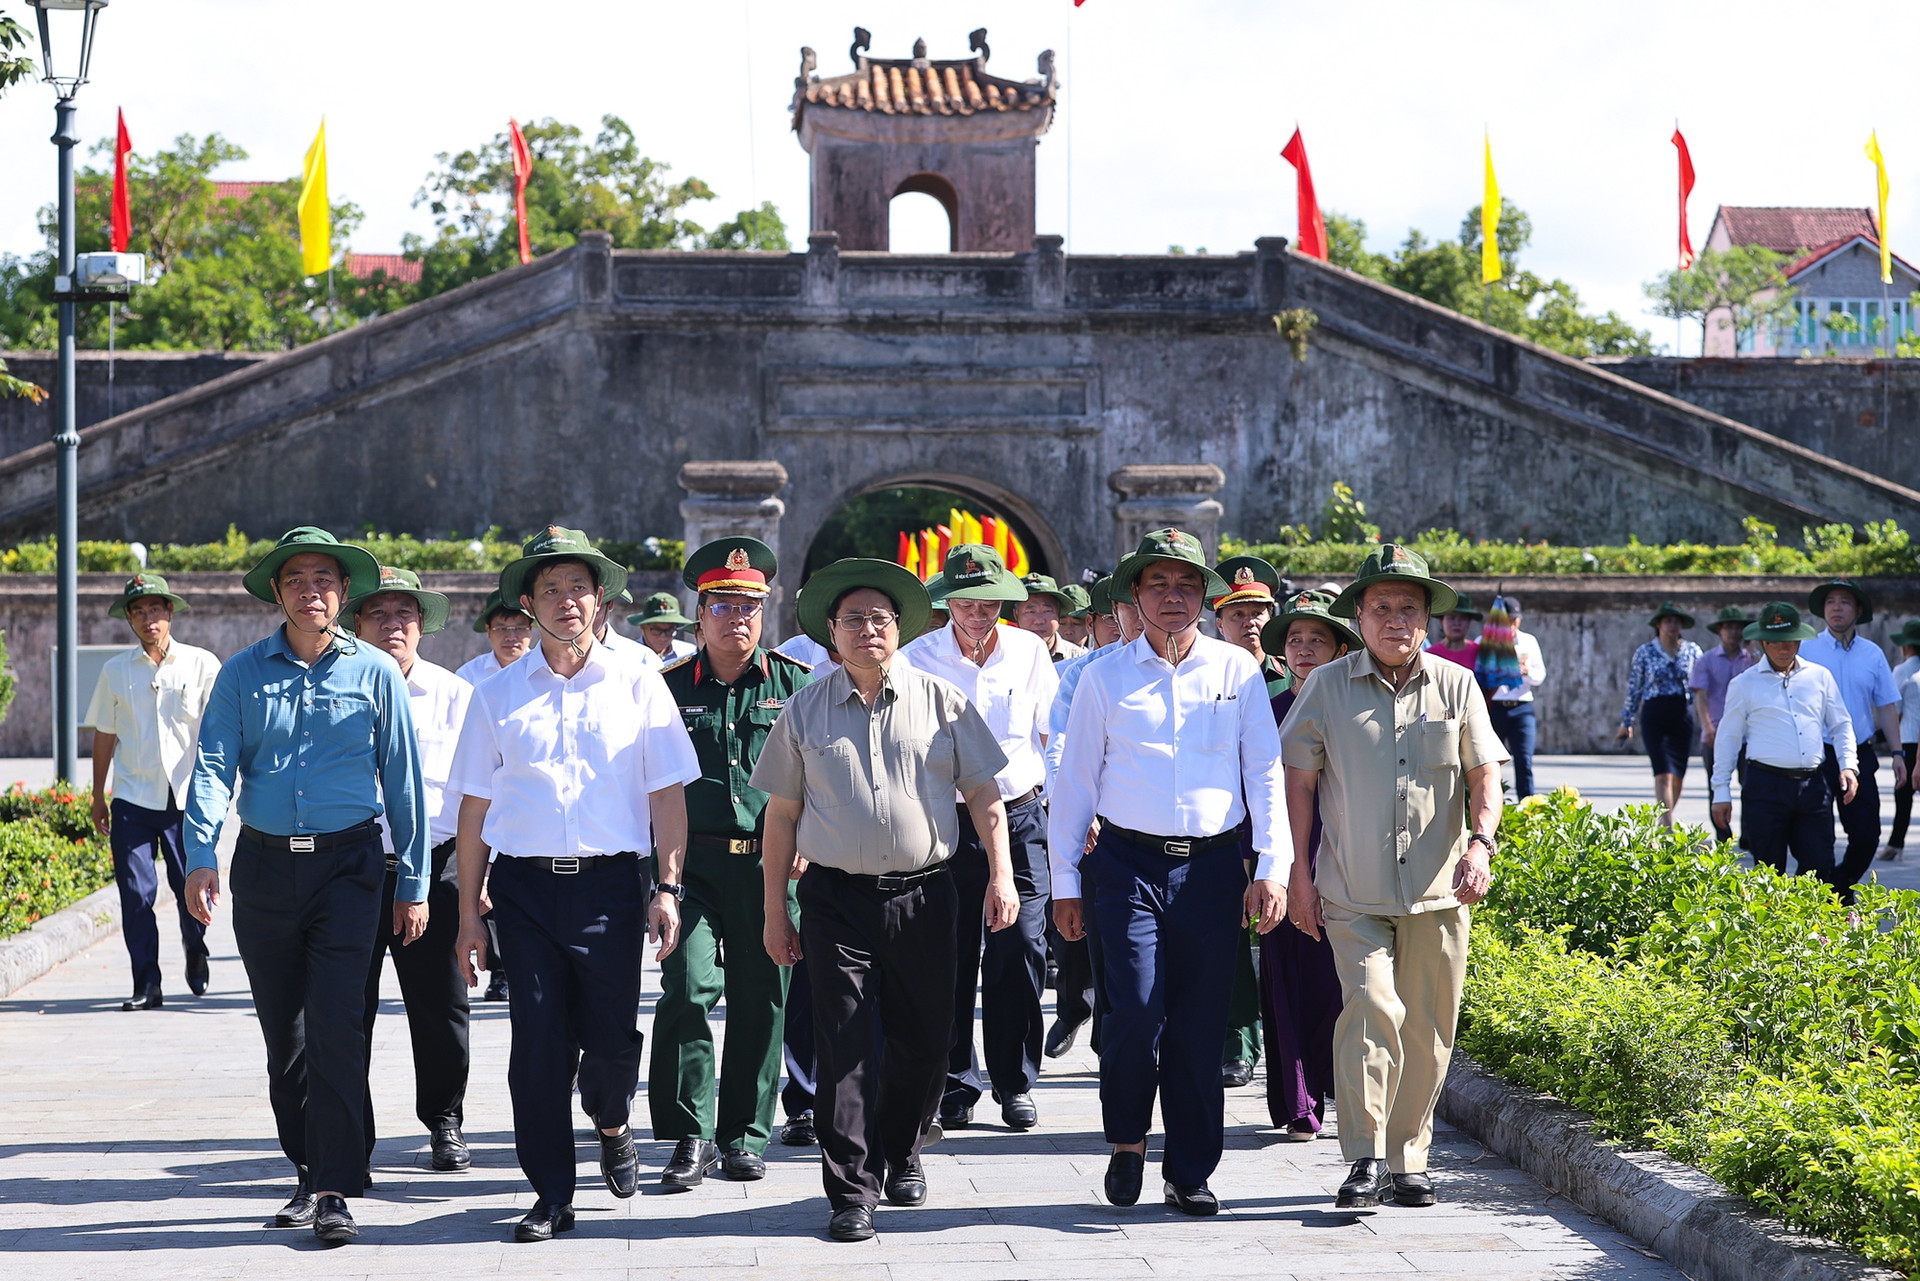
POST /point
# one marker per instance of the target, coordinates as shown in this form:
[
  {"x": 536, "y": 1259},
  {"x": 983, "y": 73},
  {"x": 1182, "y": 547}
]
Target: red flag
[
  {"x": 1313, "y": 228},
  {"x": 122, "y": 209},
  {"x": 522, "y": 170},
  {"x": 1686, "y": 189}
]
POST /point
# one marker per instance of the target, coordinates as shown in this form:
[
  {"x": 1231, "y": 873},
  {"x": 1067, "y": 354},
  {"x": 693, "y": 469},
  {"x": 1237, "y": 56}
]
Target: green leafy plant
[
  {"x": 6, "y": 678},
  {"x": 50, "y": 856},
  {"x": 237, "y": 552}
]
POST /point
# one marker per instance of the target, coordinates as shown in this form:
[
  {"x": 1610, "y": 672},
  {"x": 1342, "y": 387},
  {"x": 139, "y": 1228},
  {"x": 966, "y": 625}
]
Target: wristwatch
[
  {"x": 1485, "y": 840},
  {"x": 679, "y": 892}
]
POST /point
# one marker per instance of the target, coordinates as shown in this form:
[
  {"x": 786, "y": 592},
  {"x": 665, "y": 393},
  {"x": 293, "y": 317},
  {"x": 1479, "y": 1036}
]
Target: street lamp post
[{"x": 66, "y": 74}]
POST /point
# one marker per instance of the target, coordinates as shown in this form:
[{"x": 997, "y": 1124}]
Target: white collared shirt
[
  {"x": 155, "y": 714},
  {"x": 1783, "y": 720},
  {"x": 1906, "y": 683},
  {"x": 1014, "y": 692},
  {"x": 1170, "y": 752},
  {"x": 1533, "y": 670},
  {"x": 475, "y": 670},
  {"x": 630, "y": 647},
  {"x": 439, "y": 699},
  {"x": 567, "y": 764},
  {"x": 677, "y": 649}
]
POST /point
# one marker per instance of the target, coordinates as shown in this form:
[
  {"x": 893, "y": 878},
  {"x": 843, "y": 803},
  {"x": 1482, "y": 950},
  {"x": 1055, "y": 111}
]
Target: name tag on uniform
[{"x": 695, "y": 711}]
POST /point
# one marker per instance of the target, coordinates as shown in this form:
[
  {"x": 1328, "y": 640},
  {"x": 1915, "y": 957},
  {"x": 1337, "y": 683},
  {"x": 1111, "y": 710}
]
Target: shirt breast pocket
[
  {"x": 829, "y": 776},
  {"x": 931, "y": 768},
  {"x": 348, "y": 717},
  {"x": 1440, "y": 745},
  {"x": 1007, "y": 712},
  {"x": 1213, "y": 727}
]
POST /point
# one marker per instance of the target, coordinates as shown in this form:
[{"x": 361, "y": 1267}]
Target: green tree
[
  {"x": 16, "y": 54},
  {"x": 1742, "y": 288}
]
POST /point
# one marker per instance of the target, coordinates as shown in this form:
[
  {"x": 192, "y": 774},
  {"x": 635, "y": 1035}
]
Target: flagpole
[
  {"x": 329, "y": 297},
  {"x": 112, "y": 307}
]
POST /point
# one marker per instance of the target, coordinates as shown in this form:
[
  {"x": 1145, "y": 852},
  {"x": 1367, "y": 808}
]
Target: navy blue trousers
[
  {"x": 139, "y": 837},
  {"x": 1516, "y": 726},
  {"x": 1859, "y": 818},
  {"x": 1009, "y": 966},
  {"x": 1169, "y": 928},
  {"x": 573, "y": 995},
  {"x": 1778, "y": 814}
]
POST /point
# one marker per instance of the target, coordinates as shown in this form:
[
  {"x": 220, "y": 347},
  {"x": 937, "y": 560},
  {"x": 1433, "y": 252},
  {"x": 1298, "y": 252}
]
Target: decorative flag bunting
[
  {"x": 1490, "y": 223},
  {"x": 122, "y": 207},
  {"x": 1880, "y": 171},
  {"x": 522, "y": 170},
  {"x": 1312, "y": 239},
  {"x": 316, "y": 218},
  {"x": 1686, "y": 189},
  {"x": 925, "y": 551}
]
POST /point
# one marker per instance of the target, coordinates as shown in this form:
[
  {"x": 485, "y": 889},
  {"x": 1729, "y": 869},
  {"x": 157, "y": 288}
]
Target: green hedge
[
  {"x": 50, "y": 856},
  {"x": 1745, "y": 1022},
  {"x": 238, "y": 552}
]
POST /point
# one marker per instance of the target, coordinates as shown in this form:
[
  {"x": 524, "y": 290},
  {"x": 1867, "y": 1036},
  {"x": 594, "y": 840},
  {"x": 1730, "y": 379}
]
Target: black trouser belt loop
[
  {"x": 571, "y": 865},
  {"x": 1784, "y": 773},
  {"x": 890, "y": 880},
  {"x": 731, "y": 844},
  {"x": 314, "y": 843},
  {"x": 1171, "y": 846}
]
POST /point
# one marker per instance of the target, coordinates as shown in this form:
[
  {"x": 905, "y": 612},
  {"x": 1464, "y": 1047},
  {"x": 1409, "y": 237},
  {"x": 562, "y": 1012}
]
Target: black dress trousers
[
  {"x": 1859, "y": 818},
  {"x": 885, "y": 955},
  {"x": 435, "y": 995},
  {"x": 305, "y": 926},
  {"x": 1779, "y": 813},
  {"x": 1009, "y": 966}
]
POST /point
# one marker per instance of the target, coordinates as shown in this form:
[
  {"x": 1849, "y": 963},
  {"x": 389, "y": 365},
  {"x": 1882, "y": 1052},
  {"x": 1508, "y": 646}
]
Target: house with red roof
[{"x": 1834, "y": 269}]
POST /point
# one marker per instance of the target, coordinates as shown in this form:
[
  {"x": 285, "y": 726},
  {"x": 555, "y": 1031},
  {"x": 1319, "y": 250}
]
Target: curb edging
[
  {"x": 1671, "y": 1208},
  {"x": 29, "y": 954}
]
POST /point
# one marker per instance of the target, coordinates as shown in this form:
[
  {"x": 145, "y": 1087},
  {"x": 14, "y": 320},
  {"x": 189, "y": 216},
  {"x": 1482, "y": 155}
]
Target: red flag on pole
[
  {"x": 1312, "y": 239},
  {"x": 122, "y": 208},
  {"x": 522, "y": 170},
  {"x": 1686, "y": 189}
]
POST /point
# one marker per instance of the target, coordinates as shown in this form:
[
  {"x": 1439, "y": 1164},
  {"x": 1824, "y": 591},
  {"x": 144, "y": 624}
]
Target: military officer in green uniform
[
  {"x": 730, "y": 692},
  {"x": 1239, "y": 615}
]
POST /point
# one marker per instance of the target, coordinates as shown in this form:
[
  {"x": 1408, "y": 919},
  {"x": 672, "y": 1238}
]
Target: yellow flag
[
  {"x": 316, "y": 218},
  {"x": 1490, "y": 224},
  {"x": 1880, "y": 170}
]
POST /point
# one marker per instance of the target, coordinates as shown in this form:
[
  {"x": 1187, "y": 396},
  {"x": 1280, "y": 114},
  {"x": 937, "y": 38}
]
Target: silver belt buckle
[
  {"x": 300, "y": 844},
  {"x": 566, "y": 866},
  {"x": 1179, "y": 849}
]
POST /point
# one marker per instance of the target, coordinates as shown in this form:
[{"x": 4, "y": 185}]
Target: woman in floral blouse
[{"x": 1657, "y": 691}]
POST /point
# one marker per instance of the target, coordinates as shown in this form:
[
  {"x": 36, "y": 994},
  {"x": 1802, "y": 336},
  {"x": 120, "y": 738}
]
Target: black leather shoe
[
  {"x": 497, "y": 991},
  {"x": 333, "y": 1223},
  {"x": 907, "y": 1185},
  {"x": 743, "y": 1166},
  {"x": 1236, "y": 1073},
  {"x": 543, "y": 1221},
  {"x": 1412, "y": 1189},
  {"x": 1019, "y": 1112},
  {"x": 955, "y": 1115},
  {"x": 1060, "y": 1037},
  {"x": 855, "y": 1223},
  {"x": 1124, "y": 1173},
  {"x": 299, "y": 1212},
  {"x": 798, "y": 1131},
  {"x": 198, "y": 972},
  {"x": 1197, "y": 1200},
  {"x": 147, "y": 1000},
  {"x": 693, "y": 1160},
  {"x": 450, "y": 1149},
  {"x": 619, "y": 1163},
  {"x": 1366, "y": 1183}
]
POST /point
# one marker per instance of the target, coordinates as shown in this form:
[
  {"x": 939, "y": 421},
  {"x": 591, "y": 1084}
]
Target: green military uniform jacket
[
  {"x": 728, "y": 725},
  {"x": 1277, "y": 676}
]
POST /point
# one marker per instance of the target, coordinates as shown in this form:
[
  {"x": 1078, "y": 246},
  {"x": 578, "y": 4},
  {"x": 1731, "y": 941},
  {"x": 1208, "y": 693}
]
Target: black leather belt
[
  {"x": 1801, "y": 774},
  {"x": 570, "y": 865},
  {"x": 890, "y": 881},
  {"x": 732, "y": 845},
  {"x": 317, "y": 843},
  {"x": 1013, "y": 802},
  {"x": 1171, "y": 846}
]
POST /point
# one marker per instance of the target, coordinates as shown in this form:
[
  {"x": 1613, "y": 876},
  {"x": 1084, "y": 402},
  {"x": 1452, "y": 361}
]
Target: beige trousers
[{"x": 1400, "y": 979}]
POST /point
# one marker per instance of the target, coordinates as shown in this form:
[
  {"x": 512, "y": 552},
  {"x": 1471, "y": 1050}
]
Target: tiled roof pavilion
[{"x": 920, "y": 85}]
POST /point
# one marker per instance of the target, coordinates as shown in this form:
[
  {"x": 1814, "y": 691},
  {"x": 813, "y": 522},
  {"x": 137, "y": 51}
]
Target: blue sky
[{"x": 1176, "y": 111}]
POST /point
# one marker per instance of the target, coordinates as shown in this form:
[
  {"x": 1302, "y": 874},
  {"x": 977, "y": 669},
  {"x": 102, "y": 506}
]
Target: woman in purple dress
[{"x": 1299, "y": 988}]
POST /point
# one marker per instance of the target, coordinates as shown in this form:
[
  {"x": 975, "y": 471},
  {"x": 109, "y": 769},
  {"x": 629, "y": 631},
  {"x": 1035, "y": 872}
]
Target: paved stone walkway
[{"x": 149, "y": 1135}]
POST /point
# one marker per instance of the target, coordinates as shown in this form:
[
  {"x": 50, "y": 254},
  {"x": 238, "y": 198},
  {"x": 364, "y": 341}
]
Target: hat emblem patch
[
  {"x": 1243, "y": 577},
  {"x": 972, "y": 569},
  {"x": 737, "y": 560}
]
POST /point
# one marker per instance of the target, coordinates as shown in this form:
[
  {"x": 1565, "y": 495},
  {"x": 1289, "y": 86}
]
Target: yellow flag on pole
[
  {"x": 316, "y": 217},
  {"x": 1490, "y": 224},
  {"x": 1880, "y": 171}
]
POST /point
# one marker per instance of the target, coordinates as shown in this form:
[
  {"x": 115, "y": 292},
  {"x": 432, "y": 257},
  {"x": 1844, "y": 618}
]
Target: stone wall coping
[
  {"x": 1156, "y": 480},
  {"x": 734, "y": 477}
]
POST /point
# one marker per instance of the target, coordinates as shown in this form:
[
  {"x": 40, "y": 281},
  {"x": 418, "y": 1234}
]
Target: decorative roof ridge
[{"x": 921, "y": 85}]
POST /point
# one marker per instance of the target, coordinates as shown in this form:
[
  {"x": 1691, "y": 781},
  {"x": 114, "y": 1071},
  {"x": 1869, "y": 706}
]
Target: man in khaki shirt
[
  {"x": 860, "y": 772},
  {"x": 1394, "y": 880}
]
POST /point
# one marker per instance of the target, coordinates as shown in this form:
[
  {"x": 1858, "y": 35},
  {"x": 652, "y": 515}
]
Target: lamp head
[{"x": 75, "y": 52}]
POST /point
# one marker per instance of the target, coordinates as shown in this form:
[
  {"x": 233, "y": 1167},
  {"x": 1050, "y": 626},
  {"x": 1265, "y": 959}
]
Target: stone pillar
[
  {"x": 1049, "y": 267},
  {"x": 823, "y": 269},
  {"x": 1166, "y": 495},
  {"x": 730, "y": 497}
]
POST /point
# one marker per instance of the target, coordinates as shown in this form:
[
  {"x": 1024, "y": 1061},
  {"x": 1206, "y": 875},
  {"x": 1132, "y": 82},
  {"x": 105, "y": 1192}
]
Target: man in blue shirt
[
  {"x": 318, "y": 726},
  {"x": 1861, "y": 671}
]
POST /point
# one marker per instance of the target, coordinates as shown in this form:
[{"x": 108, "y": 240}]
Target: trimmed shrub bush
[{"x": 50, "y": 856}]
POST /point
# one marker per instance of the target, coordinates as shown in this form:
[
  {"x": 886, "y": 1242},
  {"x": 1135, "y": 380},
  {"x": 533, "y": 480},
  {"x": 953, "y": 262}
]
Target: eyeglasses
[
  {"x": 512, "y": 631},
  {"x": 879, "y": 620},
  {"x": 725, "y": 609}
]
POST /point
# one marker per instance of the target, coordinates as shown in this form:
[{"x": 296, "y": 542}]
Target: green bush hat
[
  {"x": 1248, "y": 578},
  {"x": 1044, "y": 585},
  {"x": 1100, "y": 595},
  {"x": 494, "y": 605},
  {"x": 740, "y": 565},
  {"x": 556, "y": 542},
  {"x": 1728, "y": 614},
  {"x": 1304, "y": 603},
  {"x": 1817, "y": 598},
  {"x": 1081, "y": 598},
  {"x": 1908, "y": 634},
  {"x": 1779, "y": 621},
  {"x": 829, "y": 584},
  {"x": 357, "y": 564},
  {"x": 434, "y": 607},
  {"x": 1670, "y": 610},
  {"x": 974, "y": 571},
  {"x": 145, "y": 584},
  {"x": 1159, "y": 545},
  {"x": 660, "y": 607},
  {"x": 1463, "y": 606},
  {"x": 1394, "y": 563}
]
